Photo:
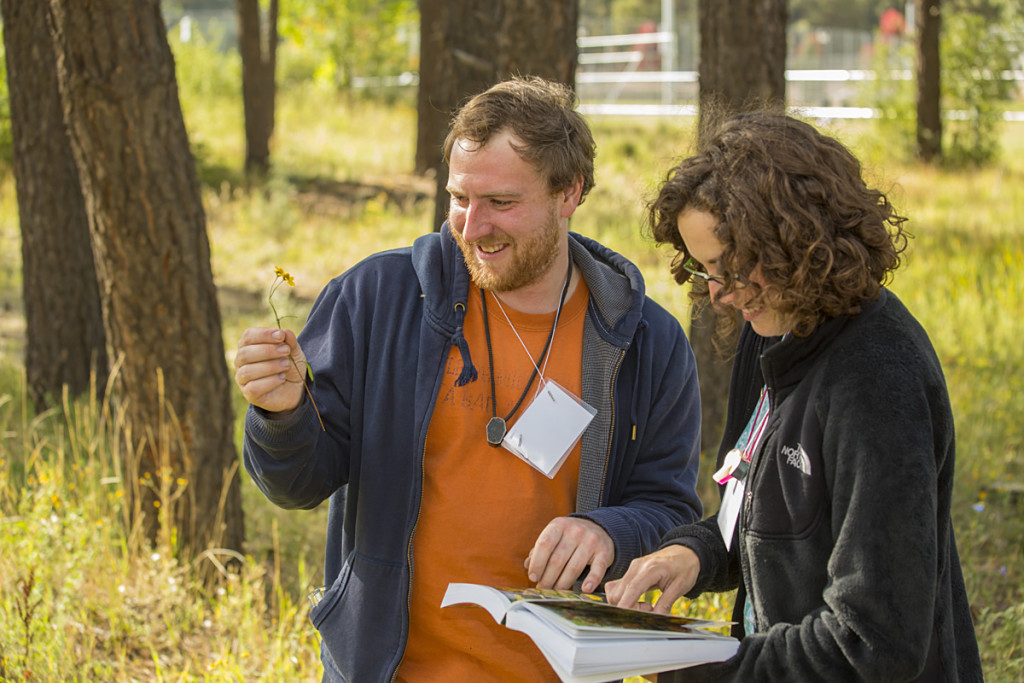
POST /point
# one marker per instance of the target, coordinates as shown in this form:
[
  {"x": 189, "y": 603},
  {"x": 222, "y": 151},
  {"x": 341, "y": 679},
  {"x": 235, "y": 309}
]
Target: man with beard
[{"x": 501, "y": 404}]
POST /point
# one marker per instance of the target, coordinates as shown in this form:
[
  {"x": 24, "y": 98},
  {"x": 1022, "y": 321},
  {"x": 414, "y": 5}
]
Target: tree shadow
[{"x": 326, "y": 196}]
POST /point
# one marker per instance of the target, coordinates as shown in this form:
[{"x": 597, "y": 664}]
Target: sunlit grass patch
[{"x": 84, "y": 599}]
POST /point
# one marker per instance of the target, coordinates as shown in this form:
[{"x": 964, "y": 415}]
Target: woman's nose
[
  {"x": 719, "y": 295},
  {"x": 715, "y": 291}
]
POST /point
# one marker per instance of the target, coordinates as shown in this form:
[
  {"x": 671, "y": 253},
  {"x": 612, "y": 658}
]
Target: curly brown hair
[
  {"x": 556, "y": 138},
  {"x": 791, "y": 201}
]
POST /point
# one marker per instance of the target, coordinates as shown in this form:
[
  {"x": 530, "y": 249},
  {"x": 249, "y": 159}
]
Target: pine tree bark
[
  {"x": 742, "y": 66},
  {"x": 928, "y": 21},
  {"x": 64, "y": 338},
  {"x": 467, "y": 46},
  {"x": 257, "y": 43},
  {"x": 138, "y": 176}
]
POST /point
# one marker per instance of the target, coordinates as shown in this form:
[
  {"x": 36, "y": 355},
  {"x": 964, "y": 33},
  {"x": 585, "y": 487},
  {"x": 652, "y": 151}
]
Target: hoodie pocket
[
  {"x": 322, "y": 609},
  {"x": 363, "y": 618}
]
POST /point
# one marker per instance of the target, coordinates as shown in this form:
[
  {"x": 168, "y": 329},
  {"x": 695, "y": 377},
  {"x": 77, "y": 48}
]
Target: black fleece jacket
[{"x": 845, "y": 545}]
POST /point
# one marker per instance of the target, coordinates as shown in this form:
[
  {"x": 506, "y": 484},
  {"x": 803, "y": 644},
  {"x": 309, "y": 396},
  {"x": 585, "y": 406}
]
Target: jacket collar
[
  {"x": 616, "y": 290},
  {"x": 788, "y": 360}
]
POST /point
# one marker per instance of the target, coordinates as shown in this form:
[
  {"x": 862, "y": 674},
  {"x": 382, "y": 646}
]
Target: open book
[{"x": 586, "y": 640}]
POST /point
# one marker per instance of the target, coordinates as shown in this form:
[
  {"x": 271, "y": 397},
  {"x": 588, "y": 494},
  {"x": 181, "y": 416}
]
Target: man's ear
[{"x": 570, "y": 196}]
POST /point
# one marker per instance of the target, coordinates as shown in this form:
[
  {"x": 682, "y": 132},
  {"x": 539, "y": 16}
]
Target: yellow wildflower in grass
[{"x": 281, "y": 276}]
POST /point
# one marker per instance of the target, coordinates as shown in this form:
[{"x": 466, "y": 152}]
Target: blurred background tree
[
  {"x": 467, "y": 46},
  {"x": 257, "y": 43},
  {"x": 65, "y": 345}
]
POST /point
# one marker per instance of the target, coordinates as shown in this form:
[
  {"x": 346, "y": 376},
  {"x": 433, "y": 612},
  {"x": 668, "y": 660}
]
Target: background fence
[{"x": 654, "y": 73}]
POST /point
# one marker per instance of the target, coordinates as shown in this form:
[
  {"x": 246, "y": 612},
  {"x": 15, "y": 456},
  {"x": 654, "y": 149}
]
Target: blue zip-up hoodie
[{"x": 377, "y": 340}]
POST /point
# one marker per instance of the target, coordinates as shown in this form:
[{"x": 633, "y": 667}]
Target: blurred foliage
[
  {"x": 624, "y": 16},
  {"x": 980, "y": 41},
  {"x": 333, "y": 43},
  {"x": 203, "y": 68},
  {"x": 856, "y": 14},
  {"x": 893, "y": 95},
  {"x": 5, "y": 108}
]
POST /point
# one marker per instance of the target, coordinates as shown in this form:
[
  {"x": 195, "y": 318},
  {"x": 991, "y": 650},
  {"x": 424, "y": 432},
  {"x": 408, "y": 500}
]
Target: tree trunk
[
  {"x": 257, "y": 43},
  {"x": 742, "y": 52},
  {"x": 928, "y": 23},
  {"x": 742, "y": 66},
  {"x": 467, "y": 46},
  {"x": 64, "y": 340},
  {"x": 120, "y": 100}
]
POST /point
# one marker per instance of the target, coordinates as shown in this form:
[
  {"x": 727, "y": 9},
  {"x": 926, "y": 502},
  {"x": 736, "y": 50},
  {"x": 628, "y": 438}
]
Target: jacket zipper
[
  {"x": 412, "y": 535},
  {"x": 611, "y": 431},
  {"x": 408, "y": 558},
  {"x": 748, "y": 501}
]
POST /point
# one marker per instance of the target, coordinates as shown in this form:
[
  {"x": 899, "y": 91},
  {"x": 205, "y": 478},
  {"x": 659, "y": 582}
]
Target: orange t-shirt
[{"x": 482, "y": 507}]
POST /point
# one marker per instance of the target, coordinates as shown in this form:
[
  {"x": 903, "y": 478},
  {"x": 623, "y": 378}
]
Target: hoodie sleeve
[{"x": 295, "y": 463}]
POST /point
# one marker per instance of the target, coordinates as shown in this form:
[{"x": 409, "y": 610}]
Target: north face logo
[{"x": 797, "y": 457}]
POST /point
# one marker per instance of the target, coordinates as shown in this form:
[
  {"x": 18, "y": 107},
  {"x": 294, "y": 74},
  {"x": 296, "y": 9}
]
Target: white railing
[{"x": 678, "y": 89}]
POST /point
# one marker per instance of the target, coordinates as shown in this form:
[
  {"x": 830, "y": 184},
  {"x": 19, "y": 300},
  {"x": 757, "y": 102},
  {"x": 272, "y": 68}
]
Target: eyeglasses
[{"x": 694, "y": 267}]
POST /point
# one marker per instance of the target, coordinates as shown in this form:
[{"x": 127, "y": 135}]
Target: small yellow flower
[
  {"x": 281, "y": 275},
  {"x": 181, "y": 482},
  {"x": 156, "y": 503},
  {"x": 284, "y": 275}
]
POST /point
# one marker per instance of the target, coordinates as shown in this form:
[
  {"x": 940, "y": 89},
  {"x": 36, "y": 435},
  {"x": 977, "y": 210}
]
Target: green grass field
[{"x": 81, "y": 601}]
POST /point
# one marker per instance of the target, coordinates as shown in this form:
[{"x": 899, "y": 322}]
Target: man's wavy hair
[
  {"x": 792, "y": 201},
  {"x": 556, "y": 138}
]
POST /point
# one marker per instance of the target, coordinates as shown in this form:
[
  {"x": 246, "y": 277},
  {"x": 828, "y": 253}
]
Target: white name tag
[
  {"x": 549, "y": 427},
  {"x": 729, "y": 511}
]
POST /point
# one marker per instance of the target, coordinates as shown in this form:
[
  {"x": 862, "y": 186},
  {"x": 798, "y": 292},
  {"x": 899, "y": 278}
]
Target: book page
[
  {"x": 491, "y": 599},
  {"x": 497, "y": 601}
]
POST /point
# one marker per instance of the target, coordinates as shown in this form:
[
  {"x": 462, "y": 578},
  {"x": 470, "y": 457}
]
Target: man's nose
[{"x": 476, "y": 223}]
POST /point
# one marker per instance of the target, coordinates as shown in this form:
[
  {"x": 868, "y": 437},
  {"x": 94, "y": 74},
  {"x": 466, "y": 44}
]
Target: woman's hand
[{"x": 673, "y": 569}]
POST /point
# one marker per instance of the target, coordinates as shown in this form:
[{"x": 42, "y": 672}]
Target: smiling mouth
[
  {"x": 750, "y": 313},
  {"x": 490, "y": 248}
]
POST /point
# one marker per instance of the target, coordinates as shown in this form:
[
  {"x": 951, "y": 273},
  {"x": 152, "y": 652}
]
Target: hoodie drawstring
[
  {"x": 636, "y": 381},
  {"x": 468, "y": 373}
]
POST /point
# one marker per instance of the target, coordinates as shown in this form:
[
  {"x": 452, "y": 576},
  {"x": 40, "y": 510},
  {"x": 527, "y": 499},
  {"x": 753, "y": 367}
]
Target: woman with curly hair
[{"x": 836, "y": 466}]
